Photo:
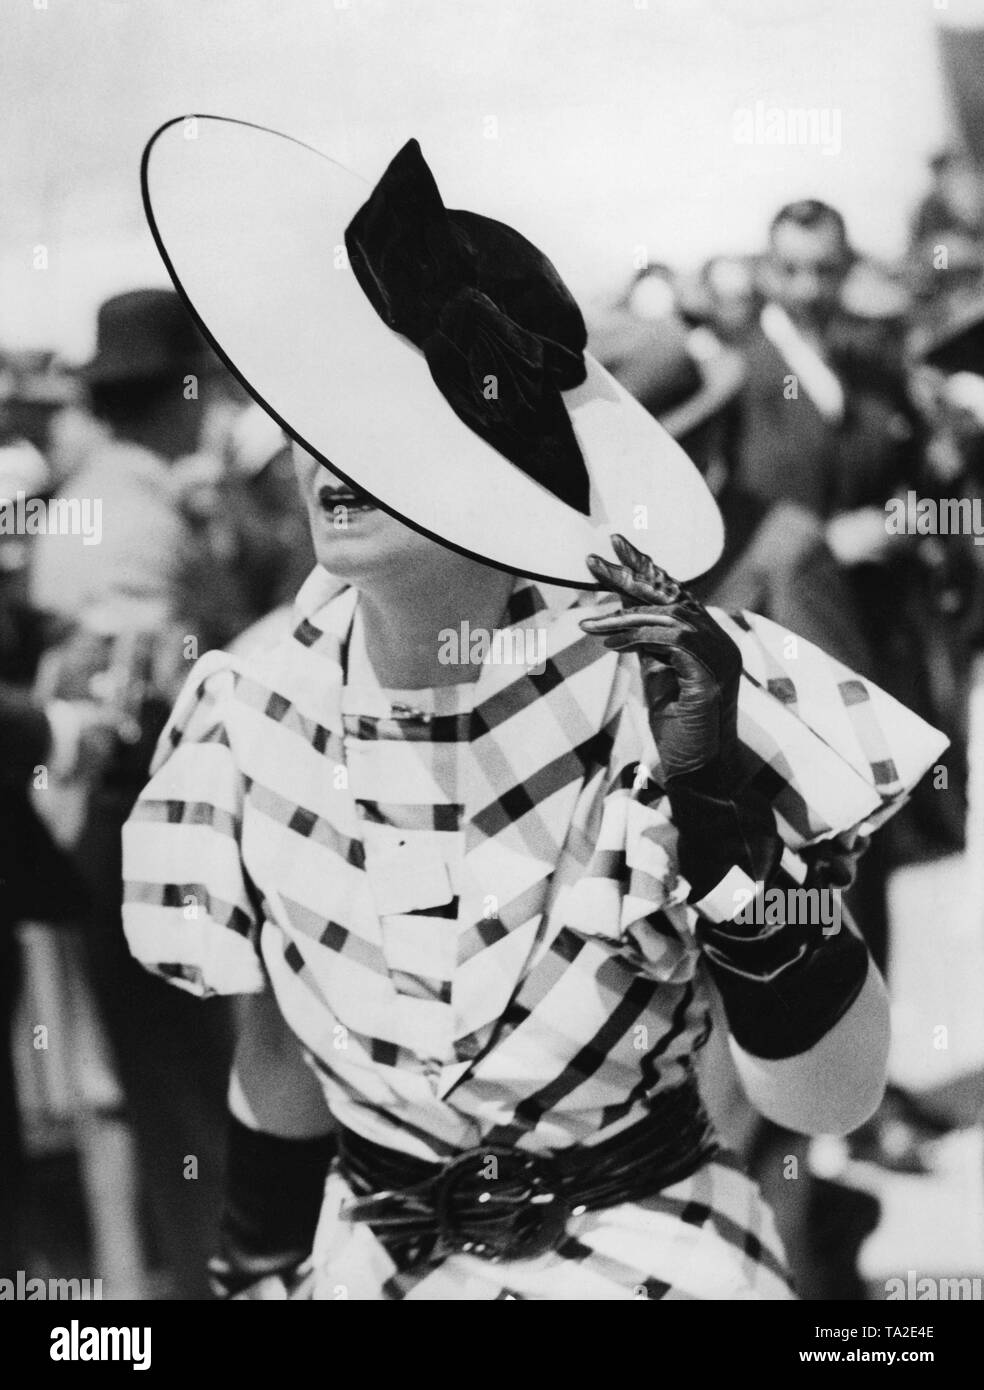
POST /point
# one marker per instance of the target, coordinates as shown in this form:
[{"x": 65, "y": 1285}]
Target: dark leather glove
[
  {"x": 691, "y": 671},
  {"x": 690, "y": 666},
  {"x": 273, "y": 1197},
  {"x": 784, "y": 984}
]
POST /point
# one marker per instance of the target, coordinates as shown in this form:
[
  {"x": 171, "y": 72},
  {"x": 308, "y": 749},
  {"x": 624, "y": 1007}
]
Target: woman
[{"x": 483, "y": 909}]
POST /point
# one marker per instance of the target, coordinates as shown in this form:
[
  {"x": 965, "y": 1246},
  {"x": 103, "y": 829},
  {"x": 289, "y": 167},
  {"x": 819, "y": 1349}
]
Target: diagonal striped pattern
[{"x": 466, "y": 899}]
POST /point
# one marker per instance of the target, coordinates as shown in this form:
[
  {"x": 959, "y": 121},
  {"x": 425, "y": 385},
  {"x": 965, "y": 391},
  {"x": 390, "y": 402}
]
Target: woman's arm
[
  {"x": 805, "y": 1006},
  {"x": 836, "y": 1084},
  {"x": 280, "y": 1144},
  {"x": 271, "y": 1087}
]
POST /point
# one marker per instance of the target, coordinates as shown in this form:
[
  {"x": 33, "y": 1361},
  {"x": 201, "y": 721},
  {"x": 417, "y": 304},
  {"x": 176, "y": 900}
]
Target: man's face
[{"x": 805, "y": 269}]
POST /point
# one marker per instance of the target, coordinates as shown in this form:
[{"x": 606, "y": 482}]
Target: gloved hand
[
  {"x": 273, "y": 1197},
  {"x": 691, "y": 671},
  {"x": 690, "y": 666},
  {"x": 783, "y": 985}
]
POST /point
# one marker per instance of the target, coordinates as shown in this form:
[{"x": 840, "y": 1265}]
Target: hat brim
[
  {"x": 250, "y": 224},
  {"x": 112, "y": 368}
]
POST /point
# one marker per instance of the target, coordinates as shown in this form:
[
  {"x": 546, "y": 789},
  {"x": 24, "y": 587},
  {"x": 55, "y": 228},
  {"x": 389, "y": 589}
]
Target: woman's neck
[{"x": 406, "y": 625}]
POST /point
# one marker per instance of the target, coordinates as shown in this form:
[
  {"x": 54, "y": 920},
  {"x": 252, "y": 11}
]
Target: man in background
[
  {"x": 826, "y": 420},
  {"x": 127, "y": 637}
]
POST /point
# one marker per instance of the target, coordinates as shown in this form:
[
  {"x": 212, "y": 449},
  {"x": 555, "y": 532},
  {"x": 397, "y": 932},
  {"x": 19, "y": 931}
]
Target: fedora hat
[
  {"x": 682, "y": 377},
  {"x": 144, "y": 334},
  {"x": 433, "y": 358}
]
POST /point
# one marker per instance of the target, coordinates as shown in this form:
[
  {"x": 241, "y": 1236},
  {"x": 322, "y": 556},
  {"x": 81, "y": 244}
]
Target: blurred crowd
[{"x": 810, "y": 383}]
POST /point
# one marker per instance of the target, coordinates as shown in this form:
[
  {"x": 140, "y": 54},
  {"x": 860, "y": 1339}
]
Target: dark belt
[{"x": 504, "y": 1203}]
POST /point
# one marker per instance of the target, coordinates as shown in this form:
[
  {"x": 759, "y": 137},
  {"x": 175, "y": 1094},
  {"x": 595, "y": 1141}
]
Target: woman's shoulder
[
  {"x": 202, "y": 703},
  {"x": 282, "y": 663}
]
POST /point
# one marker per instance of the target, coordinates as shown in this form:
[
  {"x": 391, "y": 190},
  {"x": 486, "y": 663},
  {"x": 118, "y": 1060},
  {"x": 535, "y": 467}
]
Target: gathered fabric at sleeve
[
  {"x": 627, "y": 887},
  {"x": 190, "y": 912}
]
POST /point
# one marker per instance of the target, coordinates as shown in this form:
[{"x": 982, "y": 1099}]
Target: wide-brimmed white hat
[{"x": 372, "y": 323}]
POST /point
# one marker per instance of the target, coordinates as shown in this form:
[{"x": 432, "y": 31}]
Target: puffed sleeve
[
  {"x": 190, "y": 912},
  {"x": 630, "y": 891}
]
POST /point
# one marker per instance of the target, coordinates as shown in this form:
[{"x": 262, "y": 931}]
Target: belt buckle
[{"x": 500, "y": 1203}]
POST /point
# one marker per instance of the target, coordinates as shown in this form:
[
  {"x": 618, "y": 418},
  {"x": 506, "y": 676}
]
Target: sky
[{"x": 605, "y": 130}]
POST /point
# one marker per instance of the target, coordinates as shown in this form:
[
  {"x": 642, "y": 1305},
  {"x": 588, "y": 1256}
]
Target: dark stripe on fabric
[
  {"x": 281, "y": 811},
  {"x": 406, "y": 815},
  {"x": 587, "y": 1060},
  {"x": 783, "y": 689},
  {"x": 488, "y": 930},
  {"x": 649, "y": 1072},
  {"x": 545, "y": 782},
  {"x": 185, "y": 895},
  {"x": 421, "y": 987},
  {"x": 524, "y": 603},
  {"x": 187, "y": 813},
  {"x": 334, "y": 937},
  {"x": 445, "y": 911},
  {"x": 306, "y": 633},
  {"x": 293, "y": 957},
  {"x": 439, "y": 728},
  {"x": 699, "y": 1214},
  {"x": 278, "y": 708},
  {"x": 623, "y": 1275},
  {"x": 884, "y": 772},
  {"x": 397, "y": 1124},
  {"x": 218, "y": 735},
  {"x": 523, "y": 691}
]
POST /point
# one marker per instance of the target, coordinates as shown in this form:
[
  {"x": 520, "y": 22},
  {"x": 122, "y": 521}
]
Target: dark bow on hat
[{"x": 501, "y": 333}]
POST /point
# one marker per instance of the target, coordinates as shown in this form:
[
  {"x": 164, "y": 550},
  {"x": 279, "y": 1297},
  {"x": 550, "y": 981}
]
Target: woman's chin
[
  {"x": 367, "y": 541},
  {"x": 356, "y": 545}
]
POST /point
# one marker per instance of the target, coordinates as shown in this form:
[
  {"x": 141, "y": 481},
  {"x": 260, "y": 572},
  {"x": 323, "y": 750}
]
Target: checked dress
[{"x": 466, "y": 903}]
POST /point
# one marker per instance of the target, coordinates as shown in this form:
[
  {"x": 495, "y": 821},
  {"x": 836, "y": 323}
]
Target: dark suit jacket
[
  {"x": 24, "y": 735},
  {"x": 37, "y": 880},
  {"x": 776, "y": 563},
  {"x": 789, "y": 452}
]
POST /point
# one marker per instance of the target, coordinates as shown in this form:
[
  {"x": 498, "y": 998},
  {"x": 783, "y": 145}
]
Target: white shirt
[
  {"x": 803, "y": 359},
  {"x": 135, "y": 565}
]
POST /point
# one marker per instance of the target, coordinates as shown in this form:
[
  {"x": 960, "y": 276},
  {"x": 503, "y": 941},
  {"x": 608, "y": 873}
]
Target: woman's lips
[{"x": 334, "y": 498}]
